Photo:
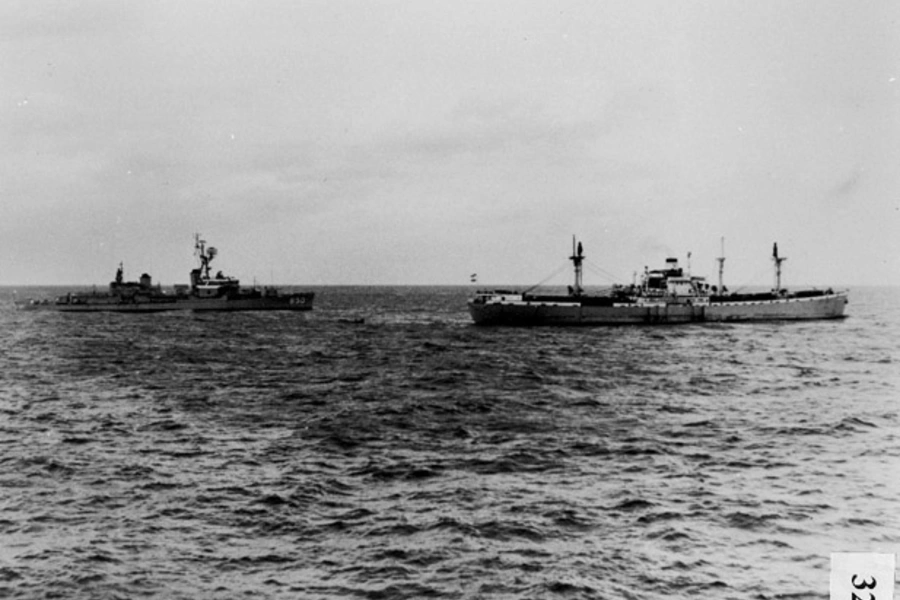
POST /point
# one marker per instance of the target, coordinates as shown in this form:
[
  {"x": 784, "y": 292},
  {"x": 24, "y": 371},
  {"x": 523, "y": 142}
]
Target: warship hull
[
  {"x": 500, "y": 310},
  {"x": 86, "y": 303}
]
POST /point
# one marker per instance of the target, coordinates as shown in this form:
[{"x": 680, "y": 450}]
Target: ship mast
[
  {"x": 778, "y": 260},
  {"x": 577, "y": 258},
  {"x": 200, "y": 251},
  {"x": 721, "y": 260}
]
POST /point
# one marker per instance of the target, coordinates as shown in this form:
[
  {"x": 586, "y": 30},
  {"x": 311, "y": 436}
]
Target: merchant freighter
[
  {"x": 205, "y": 293},
  {"x": 666, "y": 295}
]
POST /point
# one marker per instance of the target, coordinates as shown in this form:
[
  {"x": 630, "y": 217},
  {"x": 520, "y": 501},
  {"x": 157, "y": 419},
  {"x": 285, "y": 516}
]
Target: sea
[{"x": 382, "y": 446}]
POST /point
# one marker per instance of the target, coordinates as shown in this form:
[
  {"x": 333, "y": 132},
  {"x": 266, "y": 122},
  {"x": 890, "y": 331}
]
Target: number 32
[{"x": 863, "y": 585}]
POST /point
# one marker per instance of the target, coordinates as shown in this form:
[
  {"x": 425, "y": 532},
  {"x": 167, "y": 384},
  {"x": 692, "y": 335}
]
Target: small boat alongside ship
[
  {"x": 667, "y": 295},
  {"x": 205, "y": 293}
]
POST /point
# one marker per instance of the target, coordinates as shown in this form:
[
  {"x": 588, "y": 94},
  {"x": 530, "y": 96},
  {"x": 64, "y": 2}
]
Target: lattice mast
[{"x": 204, "y": 254}]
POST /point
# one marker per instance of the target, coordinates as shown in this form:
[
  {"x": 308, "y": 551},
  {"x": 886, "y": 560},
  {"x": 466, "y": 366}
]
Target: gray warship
[{"x": 206, "y": 292}]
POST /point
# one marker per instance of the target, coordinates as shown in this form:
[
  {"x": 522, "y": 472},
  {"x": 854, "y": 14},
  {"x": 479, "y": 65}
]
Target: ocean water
[{"x": 382, "y": 447}]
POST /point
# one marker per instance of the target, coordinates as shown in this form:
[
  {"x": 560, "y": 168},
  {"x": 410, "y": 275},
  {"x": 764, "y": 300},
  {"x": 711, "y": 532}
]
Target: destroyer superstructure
[{"x": 206, "y": 292}]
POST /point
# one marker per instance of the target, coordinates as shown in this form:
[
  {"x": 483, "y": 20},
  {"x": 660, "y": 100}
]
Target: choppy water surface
[{"x": 414, "y": 455}]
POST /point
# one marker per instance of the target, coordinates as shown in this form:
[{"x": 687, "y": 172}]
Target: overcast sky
[{"x": 417, "y": 142}]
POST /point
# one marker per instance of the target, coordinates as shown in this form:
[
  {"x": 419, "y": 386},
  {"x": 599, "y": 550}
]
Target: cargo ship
[
  {"x": 206, "y": 292},
  {"x": 666, "y": 295}
]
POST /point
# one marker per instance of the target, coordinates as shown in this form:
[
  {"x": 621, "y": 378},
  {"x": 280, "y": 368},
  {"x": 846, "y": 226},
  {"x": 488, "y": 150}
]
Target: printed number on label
[
  {"x": 856, "y": 576},
  {"x": 862, "y": 585}
]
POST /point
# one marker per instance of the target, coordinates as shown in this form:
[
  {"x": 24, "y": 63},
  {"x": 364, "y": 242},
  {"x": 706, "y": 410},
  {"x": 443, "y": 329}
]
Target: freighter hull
[
  {"x": 830, "y": 306},
  {"x": 524, "y": 312}
]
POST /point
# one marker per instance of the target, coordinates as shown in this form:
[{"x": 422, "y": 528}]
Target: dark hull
[
  {"x": 289, "y": 302},
  {"x": 566, "y": 311}
]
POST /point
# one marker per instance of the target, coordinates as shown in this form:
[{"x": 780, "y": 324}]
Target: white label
[{"x": 862, "y": 576}]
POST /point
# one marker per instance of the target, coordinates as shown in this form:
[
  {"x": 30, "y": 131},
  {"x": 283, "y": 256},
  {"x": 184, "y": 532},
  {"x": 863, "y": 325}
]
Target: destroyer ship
[
  {"x": 667, "y": 295},
  {"x": 205, "y": 293}
]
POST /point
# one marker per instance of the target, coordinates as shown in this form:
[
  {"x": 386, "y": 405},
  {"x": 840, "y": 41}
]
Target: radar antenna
[{"x": 203, "y": 255}]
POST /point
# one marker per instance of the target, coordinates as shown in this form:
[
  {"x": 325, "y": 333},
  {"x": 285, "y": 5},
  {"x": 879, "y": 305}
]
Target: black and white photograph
[{"x": 472, "y": 300}]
